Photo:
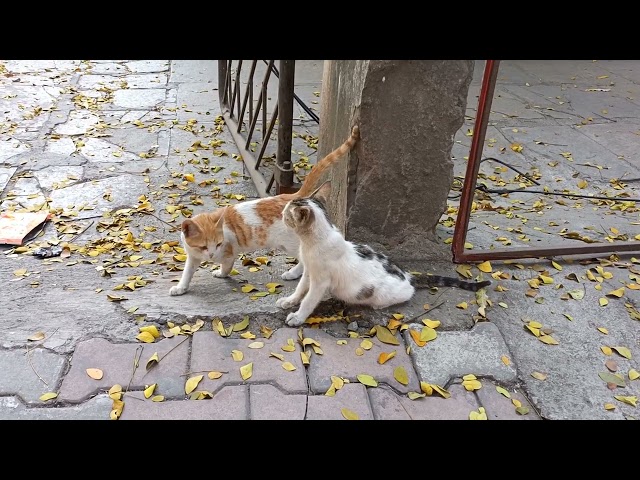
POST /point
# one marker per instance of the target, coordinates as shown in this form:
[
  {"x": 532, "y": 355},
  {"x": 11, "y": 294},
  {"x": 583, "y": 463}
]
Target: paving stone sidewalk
[{"x": 121, "y": 151}]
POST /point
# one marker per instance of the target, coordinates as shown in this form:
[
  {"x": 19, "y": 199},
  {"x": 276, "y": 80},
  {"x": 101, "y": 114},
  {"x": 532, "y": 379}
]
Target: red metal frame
[{"x": 460, "y": 255}]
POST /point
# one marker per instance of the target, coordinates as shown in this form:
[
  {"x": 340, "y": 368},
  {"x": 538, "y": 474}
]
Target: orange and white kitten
[{"x": 247, "y": 226}]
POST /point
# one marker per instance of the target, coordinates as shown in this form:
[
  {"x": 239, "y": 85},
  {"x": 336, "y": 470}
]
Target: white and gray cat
[{"x": 353, "y": 273}]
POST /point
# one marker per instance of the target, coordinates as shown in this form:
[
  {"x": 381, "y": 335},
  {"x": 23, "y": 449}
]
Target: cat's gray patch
[{"x": 365, "y": 292}]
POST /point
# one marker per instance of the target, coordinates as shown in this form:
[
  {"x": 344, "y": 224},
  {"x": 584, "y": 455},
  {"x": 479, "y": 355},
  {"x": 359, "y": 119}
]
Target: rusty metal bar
[
  {"x": 247, "y": 157},
  {"x": 473, "y": 166},
  {"x": 310, "y": 112},
  {"x": 228, "y": 83},
  {"x": 283, "y": 172},
  {"x": 469, "y": 186},
  {"x": 265, "y": 141},
  {"x": 236, "y": 89},
  {"x": 246, "y": 95},
  {"x": 264, "y": 108},
  {"x": 222, "y": 82},
  {"x": 255, "y": 118}
]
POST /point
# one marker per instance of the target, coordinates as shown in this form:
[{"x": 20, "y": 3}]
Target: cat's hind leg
[
  {"x": 294, "y": 272},
  {"x": 225, "y": 267}
]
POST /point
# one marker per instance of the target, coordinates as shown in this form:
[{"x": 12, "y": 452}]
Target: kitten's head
[
  {"x": 299, "y": 214},
  {"x": 203, "y": 235}
]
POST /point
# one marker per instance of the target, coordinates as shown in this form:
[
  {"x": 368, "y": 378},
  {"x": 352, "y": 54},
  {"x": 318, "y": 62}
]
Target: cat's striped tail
[
  {"x": 313, "y": 177},
  {"x": 428, "y": 281}
]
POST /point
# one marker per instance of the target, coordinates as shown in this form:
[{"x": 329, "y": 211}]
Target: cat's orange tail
[{"x": 313, "y": 177}]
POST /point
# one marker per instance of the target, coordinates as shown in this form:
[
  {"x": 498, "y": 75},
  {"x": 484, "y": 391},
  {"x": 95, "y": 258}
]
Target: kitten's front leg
[
  {"x": 317, "y": 289},
  {"x": 225, "y": 267},
  {"x": 295, "y": 297},
  {"x": 294, "y": 272},
  {"x": 190, "y": 268}
]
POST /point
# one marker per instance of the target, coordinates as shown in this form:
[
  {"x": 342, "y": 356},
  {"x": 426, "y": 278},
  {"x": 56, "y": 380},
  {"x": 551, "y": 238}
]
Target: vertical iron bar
[
  {"x": 236, "y": 91},
  {"x": 284, "y": 171},
  {"x": 222, "y": 85},
  {"x": 264, "y": 109},
  {"x": 473, "y": 166},
  {"x": 259, "y": 103},
  {"x": 246, "y": 96},
  {"x": 265, "y": 141}
]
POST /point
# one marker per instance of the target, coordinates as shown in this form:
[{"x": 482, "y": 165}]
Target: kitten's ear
[
  {"x": 302, "y": 216},
  {"x": 322, "y": 192},
  {"x": 190, "y": 228},
  {"x": 220, "y": 222}
]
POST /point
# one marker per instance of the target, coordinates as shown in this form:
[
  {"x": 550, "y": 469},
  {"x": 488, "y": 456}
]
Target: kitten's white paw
[
  {"x": 219, "y": 274},
  {"x": 291, "y": 274},
  {"x": 285, "y": 302},
  {"x": 293, "y": 320},
  {"x": 177, "y": 290}
]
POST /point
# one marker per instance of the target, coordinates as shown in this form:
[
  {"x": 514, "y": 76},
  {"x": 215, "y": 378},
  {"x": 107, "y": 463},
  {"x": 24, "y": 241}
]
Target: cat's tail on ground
[
  {"x": 313, "y": 176},
  {"x": 428, "y": 281}
]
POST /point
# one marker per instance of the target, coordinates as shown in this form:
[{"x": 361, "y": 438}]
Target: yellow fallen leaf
[
  {"x": 427, "y": 334},
  {"x": 444, "y": 393},
  {"x": 115, "y": 392},
  {"x": 149, "y": 390},
  {"x": 305, "y": 358},
  {"x": 385, "y": 335},
  {"x": 145, "y": 337},
  {"x": 462, "y": 305},
  {"x": 426, "y": 388},
  {"x": 152, "y": 329},
  {"x": 582, "y": 184},
  {"x": 416, "y": 338},
  {"x": 548, "y": 339},
  {"x": 629, "y": 400},
  {"x": 516, "y": 147},
  {"x": 242, "y": 324},
  {"x": 366, "y": 344},
  {"x": 431, "y": 323},
  {"x": 616, "y": 293},
  {"x": 246, "y": 371},
  {"x": 624, "y": 351},
  {"x": 633, "y": 374},
  {"x": 214, "y": 375},
  {"x": 337, "y": 382},
  {"x": 367, "y": 380},
  {"x": 400, "y": 374},
  {"x": 603, "y": 330},
  {"x": 384, "y": 357},
  {"x": 505, "y": 360},
  {"x": 277, "y": 355},
  {"x": 557, "y": 266},
  {"x": 157, "y": 398},
  {"x": 288, "y": 366},
  {"x": 603, "y": 301},
  {"x": 116, "y": 409},
  {"x": 48, "y": 396},
  {"x": 349, "y": 414},
  {"x": 36, "y": 337},
  {"x": 471, "y": 385},
  {"x": 192, "y": 383},
  {"x": 94, "y": 373},
  {"x": 415, "y": 395},
  {"x": 359, "y": 351},
  {"x": 485, "y": 267},
  {"x": 248, "y": 335},
  {"x": 478, "y": 415},
  {"x": 516, "y": 402},
  {"x": 546, "y": 280},
  {"x": 256, "y": 345},
  {"x": 609, "y": 406},
  {"x": 237, "y": 355},
  {"x": 606, "y": 350},
  {"x": 248, "y": 288},
  {"x": 504, "y": 392},
  {"x": 539, "y": 376},
  {"x": 189, "y": 177}
]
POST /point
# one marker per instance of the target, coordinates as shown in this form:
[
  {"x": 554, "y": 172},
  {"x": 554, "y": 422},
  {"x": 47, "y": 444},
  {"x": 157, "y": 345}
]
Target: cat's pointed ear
[
  {"x": 190, "y": 228},
  {"x": 322, "y": 192},
  {"x": 220, "y": 222},
  {"x": 302, "y": 216}
]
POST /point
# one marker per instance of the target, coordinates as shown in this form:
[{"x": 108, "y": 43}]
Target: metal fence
[{"x": 241, "y": 112}]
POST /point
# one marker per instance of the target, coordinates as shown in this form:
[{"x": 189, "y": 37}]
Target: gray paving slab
[
  {"x": 11, "y": 148},
  {"x": 230, "y": 403},
  {"x": 497, "y": 406},
  {"x": 96, "y": 408},
  {"x": 454, "y": 354},
  {"x": 194, "y": 71},
  {"x": 349, "y": 400},
  {"x": 270, "y": 403},
  {"x": 147, "y": 66},
  {"x": 116, "y": 361},
  {"x": 200, "y": 101},
  {"x": 125, "y": 188},
  {"x": 342, "y": 361},
  {"x": 211, "y": 352},
  {"x": 139, "y": 99},
  {"x": 79, "y": 123},
  {"x": 5, "y": 176},
  {"x": 30, "y": 372},
  {"x": 387, "y": 405},
  {"x": 56, "y": 177}
]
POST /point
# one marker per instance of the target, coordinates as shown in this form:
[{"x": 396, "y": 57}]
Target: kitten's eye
[{"x": 218, "y": 244}]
